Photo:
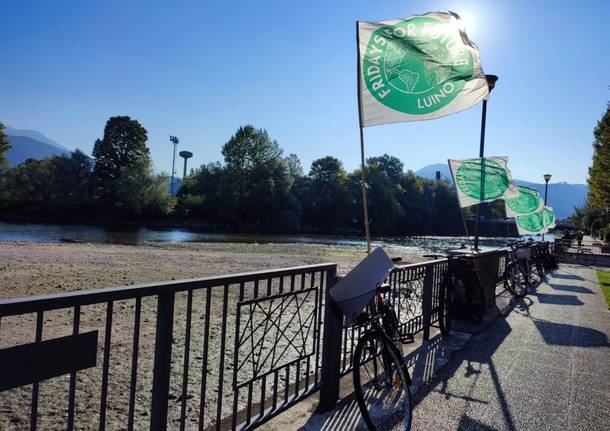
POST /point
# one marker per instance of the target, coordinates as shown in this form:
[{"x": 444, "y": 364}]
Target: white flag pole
[{"x": 362, "y": 166}]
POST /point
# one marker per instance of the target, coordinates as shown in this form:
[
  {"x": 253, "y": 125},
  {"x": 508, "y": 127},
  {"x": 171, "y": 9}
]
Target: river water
[{"x": 35, "y": 232}]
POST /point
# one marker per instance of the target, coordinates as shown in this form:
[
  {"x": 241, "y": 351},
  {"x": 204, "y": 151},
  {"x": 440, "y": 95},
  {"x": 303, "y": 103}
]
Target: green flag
[
  {"x": 528, "y": 201},
  {"x": 482, "y": 180},
  {"x": 417, "y": 68},
  {"x": 536, "y": 223}
]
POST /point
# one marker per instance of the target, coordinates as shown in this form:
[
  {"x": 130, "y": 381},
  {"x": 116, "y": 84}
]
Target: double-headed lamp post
[
  {"x": 547, "y": 178},
  {"x": 491, "y": 83},
  {"x": 174, "y": 141}
]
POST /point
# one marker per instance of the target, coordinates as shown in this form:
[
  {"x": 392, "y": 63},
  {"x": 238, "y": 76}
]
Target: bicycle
[
  {"x": 516, "y": 277},
  {"x": 460, "y": 284},
  {"x": 380, "y": 374},
  {"x": 527, "y": 256},
  {"x": 548, "y": 260}
]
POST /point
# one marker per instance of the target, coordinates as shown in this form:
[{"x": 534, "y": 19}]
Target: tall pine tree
[{"x": 599, "y": 172}]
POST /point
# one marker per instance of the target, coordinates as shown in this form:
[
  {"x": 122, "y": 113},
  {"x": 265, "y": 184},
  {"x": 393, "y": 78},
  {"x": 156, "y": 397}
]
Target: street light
[
  {"x": 491, "y": 83},
  {"x": 185, "y": 155},
  {"x": 174, "y": 141},
  {"x": 547, "y": 178}
]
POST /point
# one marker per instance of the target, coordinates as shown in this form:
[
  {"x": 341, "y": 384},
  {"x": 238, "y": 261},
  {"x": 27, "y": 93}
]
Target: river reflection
[{"x": 34, "y": 232}]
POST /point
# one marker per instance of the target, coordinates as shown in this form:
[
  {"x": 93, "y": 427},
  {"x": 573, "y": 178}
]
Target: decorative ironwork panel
[
  {"x": 407, "y": 298},
  {"x": 273, "y": 332}
]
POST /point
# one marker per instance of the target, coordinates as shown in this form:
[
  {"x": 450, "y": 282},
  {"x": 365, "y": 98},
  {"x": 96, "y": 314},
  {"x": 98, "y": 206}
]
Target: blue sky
[{"x": 200, "y": 69}]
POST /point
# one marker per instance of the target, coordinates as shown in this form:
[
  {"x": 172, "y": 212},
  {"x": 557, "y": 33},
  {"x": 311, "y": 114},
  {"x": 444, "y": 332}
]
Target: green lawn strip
[{"x": 604, "y": 284}]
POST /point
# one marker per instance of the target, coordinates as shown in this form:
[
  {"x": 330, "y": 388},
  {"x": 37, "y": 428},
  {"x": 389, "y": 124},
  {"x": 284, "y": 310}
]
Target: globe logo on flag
[
  {"x": 417, "y": 65},
  {"x": 495, "y": 179},
  {"x": 538, "y": 222}
]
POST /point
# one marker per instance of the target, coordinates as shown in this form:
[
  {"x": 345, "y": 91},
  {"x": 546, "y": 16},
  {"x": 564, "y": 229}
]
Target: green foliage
[
  {"x": 248, "y": 150},
  {"x": 255, "y": 188},
  {"x": 599, "y": 172},
  {"x": 119, "y": 182},
  {"x": 4, "y": 147},
  {"x": 54, "y": 185},
  {"x": 326, "y": 200},
  {"x": 139, "y": 192},
  {"x": 294, "y": 169},
  {"x": 121, "y": 158},
  {"x": 596, "y": 210},
  {"x": 604, "y": 284}
]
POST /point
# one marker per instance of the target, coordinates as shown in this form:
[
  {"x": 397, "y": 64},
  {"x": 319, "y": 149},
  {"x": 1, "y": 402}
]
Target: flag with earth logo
[
  {"x": 528, "y": 201},
  {"x": 418, "y": 68},
  {"x": 536, "y": 223},
  {"x": 482, "y": 180}
]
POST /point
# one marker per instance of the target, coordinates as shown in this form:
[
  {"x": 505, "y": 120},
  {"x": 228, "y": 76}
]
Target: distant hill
[
  {"x": 30, "y": 144},
  {"x": 430, "y": 171},
  {"x": 563, "y": 197},
  {"x": 34, "y": 135}
]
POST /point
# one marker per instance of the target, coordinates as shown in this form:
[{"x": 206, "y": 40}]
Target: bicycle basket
[
  {"x": 523, "y": 253},
  {"x": 462, "y": 266},
  {"x": 354, "y": 292}
]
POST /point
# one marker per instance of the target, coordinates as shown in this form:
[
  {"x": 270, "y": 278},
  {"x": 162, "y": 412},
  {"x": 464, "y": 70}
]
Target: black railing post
[
  {"x": 427, "y": 300},
  {"x": 331, "y": 348},
  {"x": 163, "y": 358}
]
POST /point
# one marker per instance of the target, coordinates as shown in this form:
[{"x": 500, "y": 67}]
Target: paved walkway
[{"x": 543, "y": 366}]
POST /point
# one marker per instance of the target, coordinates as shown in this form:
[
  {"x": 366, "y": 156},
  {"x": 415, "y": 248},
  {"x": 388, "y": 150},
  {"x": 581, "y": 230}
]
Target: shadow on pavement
[
  {"x": 474, "y": 356},
  {"x": 561, "y": 334},
  {"x": 546, "y": 298},
  {"x": 570, "y": 288},
  {"x": 566, "y": 275}
]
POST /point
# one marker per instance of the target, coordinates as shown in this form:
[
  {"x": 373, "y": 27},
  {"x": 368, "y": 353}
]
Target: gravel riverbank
[{"x": 43, "y": 268}]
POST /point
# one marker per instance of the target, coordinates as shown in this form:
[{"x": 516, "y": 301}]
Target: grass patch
[{"x": 604, "y": 284}]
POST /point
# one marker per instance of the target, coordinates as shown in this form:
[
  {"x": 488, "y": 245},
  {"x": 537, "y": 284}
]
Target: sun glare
[{"x": 468, "y": 20}]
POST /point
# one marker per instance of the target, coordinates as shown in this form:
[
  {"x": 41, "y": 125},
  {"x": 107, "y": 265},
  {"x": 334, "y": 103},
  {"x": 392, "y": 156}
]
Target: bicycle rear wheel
[
  {"x": 445, "y": 306},
  {"x": 516, "y": 280},
  {"x": 381, "y": 384}
]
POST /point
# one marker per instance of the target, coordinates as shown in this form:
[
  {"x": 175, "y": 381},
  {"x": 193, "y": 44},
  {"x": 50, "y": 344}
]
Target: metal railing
[
  {"x": 227, "y": 352},
  {"x": 242, "y": 347}
]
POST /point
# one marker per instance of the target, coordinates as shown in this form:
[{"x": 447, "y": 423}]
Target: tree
[
  {"x": 142, "y": 193},
  {"x": 5, "y": 145},
  {"x": 293, "y": 166},
  {"x": 599, "y": 172},
  {"x": 121, "y": 157},
  {"x": 329, "y": 199},
  {"x": 388, "y": 165},
  {"x": 249, "y": 149},
  {"x": 257, "y": 179},
  {"x": 72, "y": 175}
]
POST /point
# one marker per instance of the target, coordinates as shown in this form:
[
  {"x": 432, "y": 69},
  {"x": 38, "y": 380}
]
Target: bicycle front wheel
[
  {"x": 516, "y": 280},
  {"x": 381, "y": 384}
]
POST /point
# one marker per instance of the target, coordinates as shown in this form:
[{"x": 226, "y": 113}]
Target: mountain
[
  {"x": 563, "y": 197},
  {"x": 430, "y": 171},
  {"x": 30, "y": 144},
  {"x": 34, "y": 135}
]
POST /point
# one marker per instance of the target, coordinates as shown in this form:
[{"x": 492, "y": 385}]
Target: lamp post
[
  {"x": 547, "y": 178},
  {"x": 491, "y": 83},
  {"x": 185, "y": 155},
  {"x": 174, "y": 141}
]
